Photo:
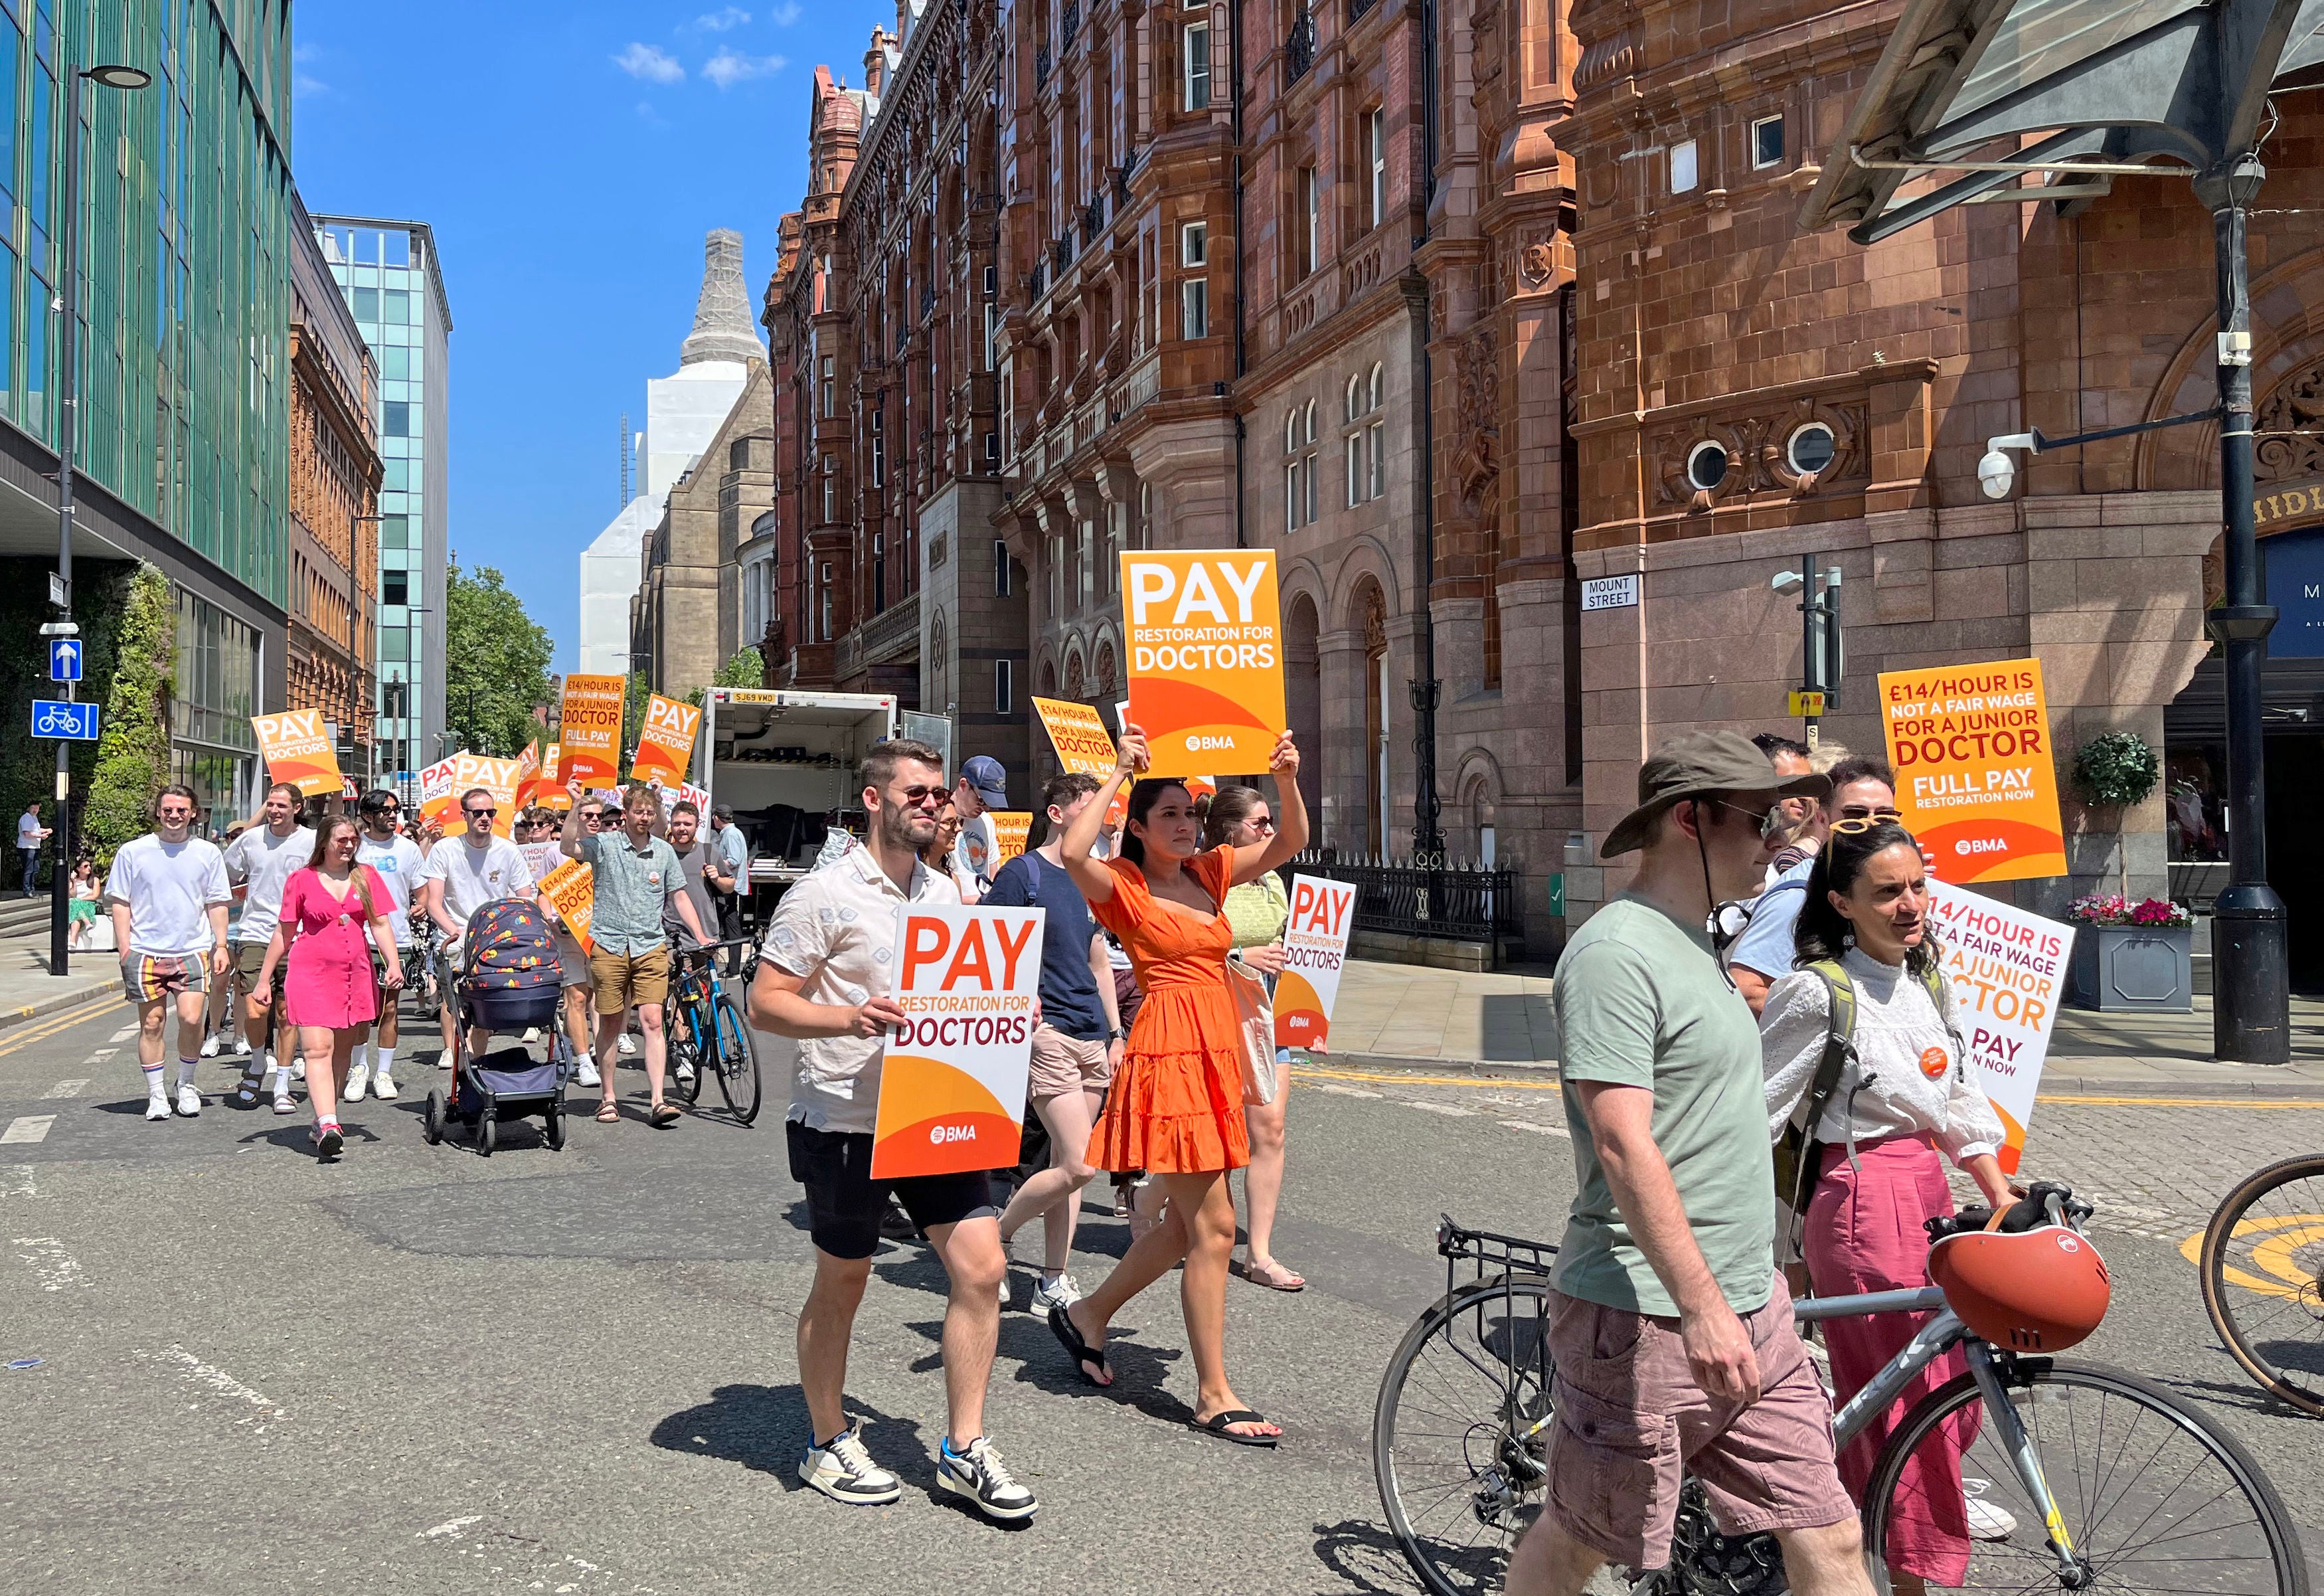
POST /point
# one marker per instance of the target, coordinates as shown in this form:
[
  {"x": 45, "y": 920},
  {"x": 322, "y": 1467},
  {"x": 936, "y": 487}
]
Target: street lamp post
[{"x": 68, "y": 417}]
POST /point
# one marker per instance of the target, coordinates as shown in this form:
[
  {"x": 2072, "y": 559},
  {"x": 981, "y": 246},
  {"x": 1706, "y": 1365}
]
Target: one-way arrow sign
[{"x": 64, "y": 659}]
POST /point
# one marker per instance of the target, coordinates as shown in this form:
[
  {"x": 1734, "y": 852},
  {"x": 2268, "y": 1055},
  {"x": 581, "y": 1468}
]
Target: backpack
[
  {"x": 511, "y": 948},
  {"x": 1798, "y": 1155}
]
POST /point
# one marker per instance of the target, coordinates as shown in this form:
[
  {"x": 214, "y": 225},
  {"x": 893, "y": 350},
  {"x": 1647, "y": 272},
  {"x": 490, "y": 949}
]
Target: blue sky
[{"x": 570, "y": 156}]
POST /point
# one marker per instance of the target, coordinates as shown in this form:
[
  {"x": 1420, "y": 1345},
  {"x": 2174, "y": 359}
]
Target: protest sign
[
  {"x": 684, "y": 792},
  {"x": 666, "y": 746},
  {"x": 1315, "y": 948},
  {"x": 528, "y": 775},
  {"x": 436, "y": 792},
  {"x": 1976, "y": 773},
  {"x": 497, "y": 777},
  {"x": 570, "y": 889},
  {"x": 297, "y": 745},
  {"x": 952, "y": 1084},
  {"x": 551, "y": 793},
  {"x": 1204, "y": 639},
  {"x": 1010, "y": 827},
  {"x": 590, "y": 727},
  {"x": 2006, "y": 968},
  {"x": 1077, "y": 732}
]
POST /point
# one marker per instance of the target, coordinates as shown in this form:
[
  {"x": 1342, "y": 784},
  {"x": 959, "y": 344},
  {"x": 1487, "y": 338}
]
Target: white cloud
[
  {"x": 307, "y": 87},
  {"x": 785, "y": 14},
  {"x": 719, "y": 22},
  {"x": 727, "y": 68},
  {"x": 655, "y": 66}
]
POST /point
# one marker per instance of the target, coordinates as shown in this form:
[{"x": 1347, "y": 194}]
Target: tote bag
[{"x": 1254, "y": 1031}]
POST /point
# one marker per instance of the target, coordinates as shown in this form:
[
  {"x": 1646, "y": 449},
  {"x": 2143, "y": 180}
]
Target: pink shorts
[
  {"x": 1631, "y": 1421},
  {"x": 1063, "y": 1064}
]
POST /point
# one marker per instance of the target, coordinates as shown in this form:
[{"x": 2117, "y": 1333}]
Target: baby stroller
[{"x": 507, "y": 983}]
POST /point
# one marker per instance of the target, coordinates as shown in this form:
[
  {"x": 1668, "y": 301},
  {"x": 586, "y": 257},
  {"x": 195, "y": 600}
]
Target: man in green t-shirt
[{"x": 1671, "y": 1331}]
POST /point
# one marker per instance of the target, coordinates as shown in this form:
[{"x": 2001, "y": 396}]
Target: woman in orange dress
[{"x": 1177, "y": 1109}]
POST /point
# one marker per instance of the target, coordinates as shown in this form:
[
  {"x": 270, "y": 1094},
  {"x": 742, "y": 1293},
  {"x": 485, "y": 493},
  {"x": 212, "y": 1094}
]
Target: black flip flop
[
  {"x": 1061, "y": 1325},
  {"x": 1216, "y": 1425}
]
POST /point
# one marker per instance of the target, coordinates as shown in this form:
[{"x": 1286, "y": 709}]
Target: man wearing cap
[
  {"x": 726, "y": 874},
  {"x": 1671, "y": 1330},
  {"x": 983, "y": 784}
]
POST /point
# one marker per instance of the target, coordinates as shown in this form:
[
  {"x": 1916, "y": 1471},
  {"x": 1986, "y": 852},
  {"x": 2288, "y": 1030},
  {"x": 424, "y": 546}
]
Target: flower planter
[{"x": 2128, "y": 968}]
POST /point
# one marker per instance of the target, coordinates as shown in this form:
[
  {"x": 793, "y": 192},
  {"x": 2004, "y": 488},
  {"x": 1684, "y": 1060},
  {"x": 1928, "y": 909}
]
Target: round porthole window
[
  {"x": 1810, "y": 448},
  {"x": 1706, "y": 466}
]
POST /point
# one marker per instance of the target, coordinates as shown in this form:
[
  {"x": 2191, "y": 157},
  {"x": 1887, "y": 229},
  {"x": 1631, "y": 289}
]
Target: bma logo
[{"x": 940, "y": 1134}]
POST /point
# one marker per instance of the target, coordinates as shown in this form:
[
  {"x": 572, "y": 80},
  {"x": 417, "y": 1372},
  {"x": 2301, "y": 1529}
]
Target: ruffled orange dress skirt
[{"x": 1177, "y": 1104}]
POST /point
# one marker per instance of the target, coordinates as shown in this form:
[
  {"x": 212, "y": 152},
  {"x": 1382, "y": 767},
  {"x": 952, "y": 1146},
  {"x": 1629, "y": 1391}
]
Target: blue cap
[{"x": 984, "y": 774}]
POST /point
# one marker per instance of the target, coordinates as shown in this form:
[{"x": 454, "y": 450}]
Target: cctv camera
[{"x": 1996, "y": 473}]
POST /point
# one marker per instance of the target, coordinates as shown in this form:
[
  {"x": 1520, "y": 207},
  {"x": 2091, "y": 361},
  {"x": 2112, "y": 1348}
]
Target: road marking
[
  {"x": 2185, "y": 1102},
  {"x": 58, "y": 1271},
  {"x": 1308, "y": 1072},
  {"x": 102, "y": 1053},
  {"x": 1498, "y": 1083},
  {"x": 29, "y": 1127},
  {"x": 449, "y": 1527},
  {"x": 44, "y": 1029},
  {"x": 1539, "y": 1130},
  {"x": 1452, "y": 1111},
  {"x": 124, "y": 1034},
  {"x": 65, "y": 1089},
  {"x": 217, "y": 1379},
  {"x": 2294, "y": 1231},
  {"x": 1339, "y": 1091}
]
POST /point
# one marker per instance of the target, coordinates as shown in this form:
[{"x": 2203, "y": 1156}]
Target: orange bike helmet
[{"x": 2035, "y": 1291}]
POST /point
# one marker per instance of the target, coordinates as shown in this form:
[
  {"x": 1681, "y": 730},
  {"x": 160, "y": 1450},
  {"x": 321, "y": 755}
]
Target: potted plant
[
  {"x": 2117, "y": 770},
  {"x": 2131, "y": 955}
]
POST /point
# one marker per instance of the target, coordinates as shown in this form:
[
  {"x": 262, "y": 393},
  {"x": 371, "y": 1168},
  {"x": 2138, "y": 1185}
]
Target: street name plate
[{"x": 1610, "y": 593}]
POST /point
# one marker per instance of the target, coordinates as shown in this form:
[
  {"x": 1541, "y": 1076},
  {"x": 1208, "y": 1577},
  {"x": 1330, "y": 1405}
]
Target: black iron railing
[
  {"x": 1061, "y": 255},
  {"x": 1036, "y": 283},
  {"x": 1041, "y": 70},
  {"x": 1092, "y": 220},
  {"x": 1458, "y": 902},
  {"x": 1071, "y": 22},
  {"x": 1359, "y": 9},
  {"x": 1299, "y": 48},
  {"x": 1121, "y": 184},
  {"x": 927, "y": 302}
]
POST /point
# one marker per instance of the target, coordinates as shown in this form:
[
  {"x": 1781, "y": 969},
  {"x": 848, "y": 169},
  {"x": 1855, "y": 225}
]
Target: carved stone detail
[
  {"x": 1477, "y": 433},
  {"x": 1756, "y": 461},
  {"x": 2289, "y": 443}
]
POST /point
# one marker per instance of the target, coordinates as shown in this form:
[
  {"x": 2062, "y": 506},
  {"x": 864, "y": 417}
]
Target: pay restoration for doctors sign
[
  {"x": 1977, "y": 778},
  {"x": 952, "y": 1085},
  {"x": 1206, "y": 641}
]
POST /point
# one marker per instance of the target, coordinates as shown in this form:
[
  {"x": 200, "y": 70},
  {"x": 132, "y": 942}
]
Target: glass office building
[{"x": 387, "y": 271}]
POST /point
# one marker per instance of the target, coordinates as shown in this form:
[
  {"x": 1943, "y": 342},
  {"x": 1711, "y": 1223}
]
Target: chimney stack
[{"x": 875, "y": 63}]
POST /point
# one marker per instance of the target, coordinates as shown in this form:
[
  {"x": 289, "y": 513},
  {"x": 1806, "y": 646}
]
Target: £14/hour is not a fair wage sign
[
  {"x": 1977, "y": 778},
  {"x": 952, "y": 1084},
  {"x": 1206, "y": 641}
]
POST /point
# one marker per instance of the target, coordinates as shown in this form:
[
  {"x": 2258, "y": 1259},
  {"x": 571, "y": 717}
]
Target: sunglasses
[
  {"x": 1857, "y": 824},
  {"x": 1260, "y": 823},
  {"x": 1863, "y": 815},
  {"x": 924, "y": 797},
  {"x": 385, "y": 809},
  {"x": 1758, "y": 818},
  {"x": 480, "y": 814}
]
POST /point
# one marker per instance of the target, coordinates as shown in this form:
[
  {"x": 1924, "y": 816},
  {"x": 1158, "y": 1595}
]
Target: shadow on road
[
  {"x": 1363, "y": 1556},
  {"x": 765, "y": 1428}
]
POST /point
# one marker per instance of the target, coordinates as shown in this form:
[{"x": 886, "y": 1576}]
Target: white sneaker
[
  {"x": 242, "y": 1047},
  {"x": 686, "y": 1074},
  {"x": 157, "y": 1107},
  {"x": 588, "y": 1075},
  {"x": 1004, "y": 1290},
  {"x": 1986, "y": 1521},
  {"x": 358, "y": 1078},
  {"x": 298, "y": 1067},
  {"x": 282, "y": 1104},
  {"x": 981, "y": 1476},
  {"x": 211, "y": 1044},
  {"x": 844, "y": 1471},
  {"x": 383, "y": 1086},
  {"x": 1061, "y": 1293},
  {"x": 627, "y": 1047},
  {"x": 531, "y": 1035},
  {"x": 190, "y": 1102}
]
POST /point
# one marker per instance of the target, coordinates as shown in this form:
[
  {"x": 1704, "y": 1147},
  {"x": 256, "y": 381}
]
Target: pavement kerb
[
  {"x": 2054, "y": 1084},
  {"x": 71, "y": 991}
]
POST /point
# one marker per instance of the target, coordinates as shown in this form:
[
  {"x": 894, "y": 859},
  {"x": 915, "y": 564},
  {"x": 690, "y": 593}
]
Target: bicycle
[
  {"x": 2125, "y": 1486},
  {"x": 418, "y": 956},
  {"x": 2262, "y": 1264},
  {"x": 704, "y": 1026}
]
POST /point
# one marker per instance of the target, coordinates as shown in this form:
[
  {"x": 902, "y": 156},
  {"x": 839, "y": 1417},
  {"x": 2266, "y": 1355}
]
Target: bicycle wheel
[
  {"x": 738, "y": 1063},
  {"x": 1457, "y": 1436},
  {"x": 684, "y": 1042},
  {"x": 2263, "y": 1270},
  {"x": 2153, "y": 1496}
]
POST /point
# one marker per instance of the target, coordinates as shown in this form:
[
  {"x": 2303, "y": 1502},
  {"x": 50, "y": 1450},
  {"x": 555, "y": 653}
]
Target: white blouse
[{"x": 1887, "y": 1089}]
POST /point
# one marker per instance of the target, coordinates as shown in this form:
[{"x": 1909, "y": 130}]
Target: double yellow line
[{"x": 43, "y": 1030}]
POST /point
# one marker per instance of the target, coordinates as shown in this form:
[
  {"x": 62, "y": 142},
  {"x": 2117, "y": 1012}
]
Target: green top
[
  {"x": 628, "y": 888},
  {"x": 1641, "y": 1002},
  {"x": 1258, "y": 911}
]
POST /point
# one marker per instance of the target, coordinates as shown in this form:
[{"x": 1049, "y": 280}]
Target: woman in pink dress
[{"x": 328, "y": 909}]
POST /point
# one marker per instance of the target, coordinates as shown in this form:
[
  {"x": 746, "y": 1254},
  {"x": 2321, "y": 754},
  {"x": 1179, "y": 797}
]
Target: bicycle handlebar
[{"x": 2046, "y": 1202}]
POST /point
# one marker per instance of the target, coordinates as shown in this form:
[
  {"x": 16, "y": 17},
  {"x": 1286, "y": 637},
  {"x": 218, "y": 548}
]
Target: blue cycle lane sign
[
  {"x": 72, "y": 723},
  {"x": 64, "y": 659}
]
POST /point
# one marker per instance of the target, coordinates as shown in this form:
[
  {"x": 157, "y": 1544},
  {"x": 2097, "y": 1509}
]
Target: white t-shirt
[
  {"x": 267, "y": 863},
  {"x": 169, "y": 888},
  {"x": 399, "y": 864},
  {"x": 28, "y": 830},
  {"x": 472, "y": 876}
]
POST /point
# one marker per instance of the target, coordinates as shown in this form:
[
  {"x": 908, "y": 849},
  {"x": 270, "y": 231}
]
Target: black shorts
[{"x": 843, "y": 1203}]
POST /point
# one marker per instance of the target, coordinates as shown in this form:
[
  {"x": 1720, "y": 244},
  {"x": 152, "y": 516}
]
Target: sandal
[
  {"x": 609, "y": 1112},
  {"x": 1270, "y": 1274},
  {"x": 1216, "y": 1425},
  {"x": 1061, "y": 1325},
  {"x": 664, "y": 1115}
]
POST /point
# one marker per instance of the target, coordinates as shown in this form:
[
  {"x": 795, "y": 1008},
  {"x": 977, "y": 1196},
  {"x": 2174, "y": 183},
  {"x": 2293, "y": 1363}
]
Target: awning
[{"x": 2077, "y": 92}]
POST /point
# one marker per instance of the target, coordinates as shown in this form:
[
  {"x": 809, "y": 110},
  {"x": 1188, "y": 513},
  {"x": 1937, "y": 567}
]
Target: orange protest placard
[
  {"x": 666, "y": 746},
  {"x": 1977, "y": 778},
  {"x": 1009, "y": 829},
  {"x": 1204, "y": 636},
  {"x": 590, "y": 728},
  {"x": 953, "y": 1079},
  {"x": 436, "y": 793},
  {"x": 551, "y": 794},
  {"x": 1077, "y": 732},
  {"x": 1197, "y": 787},
  {"x": 528, "y": 775},
  {"x": 571, "y": 890},
  {"x": 297, "y": 745},
  {"x": 497, "y": 777}
]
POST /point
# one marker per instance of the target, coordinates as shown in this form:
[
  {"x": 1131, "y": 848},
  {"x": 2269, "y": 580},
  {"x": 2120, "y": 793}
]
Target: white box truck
[{"x": 786, "y": 763}]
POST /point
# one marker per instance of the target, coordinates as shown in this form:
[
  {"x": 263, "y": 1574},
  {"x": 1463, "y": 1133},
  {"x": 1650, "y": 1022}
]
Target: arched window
[
  {"x": 1367, "y": 436},
  {"x": 1355, "y": 406}
]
